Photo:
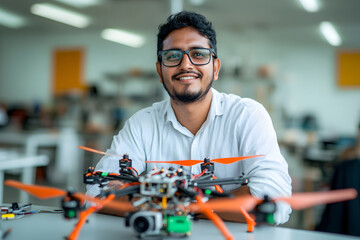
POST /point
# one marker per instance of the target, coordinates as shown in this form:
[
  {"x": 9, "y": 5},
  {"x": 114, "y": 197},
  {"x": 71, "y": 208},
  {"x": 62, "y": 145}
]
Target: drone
[
  {"x": 162, "y": 195},
  {"x": 163, "y": 202}
]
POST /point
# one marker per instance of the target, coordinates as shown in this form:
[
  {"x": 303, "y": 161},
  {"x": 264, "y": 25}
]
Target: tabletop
[{"x": 101, "y": 226}]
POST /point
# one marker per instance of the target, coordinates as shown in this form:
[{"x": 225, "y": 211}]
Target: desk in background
[
  {"x": 68, "y": 159},
  {"x": 29, "y": 140},
  {"x": 26, "y": 163},
  {"x": 100, "y": 226}
]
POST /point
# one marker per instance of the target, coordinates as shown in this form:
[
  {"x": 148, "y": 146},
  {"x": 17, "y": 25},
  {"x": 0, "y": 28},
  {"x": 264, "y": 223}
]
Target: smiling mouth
[{"x": 186, "y": 78}]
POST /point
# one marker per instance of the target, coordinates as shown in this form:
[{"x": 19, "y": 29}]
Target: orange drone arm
[
  {"x": 84, "y": 216},
  {"x": 82, "y": 219},
  {"x": 215, "y": 218},
  {"x": 250, "y": 222}
]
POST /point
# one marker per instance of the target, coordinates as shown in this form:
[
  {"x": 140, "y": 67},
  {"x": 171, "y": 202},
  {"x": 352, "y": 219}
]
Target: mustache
[{"x": 184, "y": 72}]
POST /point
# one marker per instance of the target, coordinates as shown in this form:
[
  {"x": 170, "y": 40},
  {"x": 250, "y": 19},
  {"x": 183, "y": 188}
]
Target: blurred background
[{"x": 64, "y": 84}]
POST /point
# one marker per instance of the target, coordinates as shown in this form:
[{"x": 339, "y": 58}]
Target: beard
[{"x": 186, "y": 96}]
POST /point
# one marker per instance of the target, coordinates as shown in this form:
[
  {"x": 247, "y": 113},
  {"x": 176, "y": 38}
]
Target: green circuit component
[
  {"x": 207, "y": 191},
  {"x": 270, "y": 218},
  {"x": 71, "y": 213},
  {"x": 178, "y": 224}
]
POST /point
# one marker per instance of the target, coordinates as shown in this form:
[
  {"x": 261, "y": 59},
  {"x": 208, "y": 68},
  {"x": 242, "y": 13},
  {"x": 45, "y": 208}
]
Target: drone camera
[{"x": 145, "y": 222}]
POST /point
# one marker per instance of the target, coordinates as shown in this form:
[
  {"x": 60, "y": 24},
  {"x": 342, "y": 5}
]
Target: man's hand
[{"x": 115, "y": 185}]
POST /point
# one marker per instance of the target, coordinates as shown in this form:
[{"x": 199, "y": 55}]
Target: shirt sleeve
[
  {"x": 268, "y": 175},
  {"x": 128, "y": 141}
]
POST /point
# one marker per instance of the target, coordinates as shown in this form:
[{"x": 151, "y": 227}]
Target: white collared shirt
[{"x": 234, "y": 127}]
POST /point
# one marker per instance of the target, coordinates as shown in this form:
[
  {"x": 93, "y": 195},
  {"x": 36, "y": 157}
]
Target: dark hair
[{"x": 187, "y": 19}]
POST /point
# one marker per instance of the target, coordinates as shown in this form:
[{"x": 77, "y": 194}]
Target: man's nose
[{"x": 186, "y": 62}]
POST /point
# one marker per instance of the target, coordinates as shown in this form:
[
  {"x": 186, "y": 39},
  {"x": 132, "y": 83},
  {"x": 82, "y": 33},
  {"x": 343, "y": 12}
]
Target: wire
[
  {"x": 133, "y": 169},
  {"x": 20, "y": 214},
  {"x": 200, "y": 174}
]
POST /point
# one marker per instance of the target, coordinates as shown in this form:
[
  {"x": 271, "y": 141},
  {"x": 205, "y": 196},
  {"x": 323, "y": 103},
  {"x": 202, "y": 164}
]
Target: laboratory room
[{"x": 180, "y": 119}]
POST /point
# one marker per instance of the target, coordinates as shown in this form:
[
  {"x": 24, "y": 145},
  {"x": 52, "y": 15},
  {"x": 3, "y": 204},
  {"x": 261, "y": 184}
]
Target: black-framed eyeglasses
[{"x": 197, "y": 56}]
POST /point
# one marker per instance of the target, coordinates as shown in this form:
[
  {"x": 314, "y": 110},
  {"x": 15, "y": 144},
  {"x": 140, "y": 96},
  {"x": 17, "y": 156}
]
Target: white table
[
  {"x": 26, "y": 163},
  {"x": 100, "y": 226},
  {"x": 30, "y": 140},
  {"x": 68, "y": 159}
]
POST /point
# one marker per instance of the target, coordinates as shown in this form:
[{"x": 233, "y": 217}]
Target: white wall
[
  {"x": 305, "y": 74},
  {"x": 26, "y": 62}
]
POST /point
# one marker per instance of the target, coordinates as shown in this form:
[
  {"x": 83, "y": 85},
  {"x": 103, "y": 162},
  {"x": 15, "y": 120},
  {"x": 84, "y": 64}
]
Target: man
[{"x": 198, "y": 122}]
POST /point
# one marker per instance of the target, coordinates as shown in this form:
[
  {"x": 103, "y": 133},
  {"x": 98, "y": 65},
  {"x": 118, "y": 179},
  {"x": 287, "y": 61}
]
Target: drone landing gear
[
  {"x": 215, "y": 218},
  {"x": 83, "y": 216},
  {"x": 250, "y": 222}
]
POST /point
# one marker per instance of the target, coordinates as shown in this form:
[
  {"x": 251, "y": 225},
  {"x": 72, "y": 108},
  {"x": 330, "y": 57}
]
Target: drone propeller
[
  {"x": 189, "y": 163},
  {"x": 44, "y": 192},
  {"x": 228, "y": 204},
  {"x": 41, "y": 192},
  {"x": 97, "y": 151},
  {"x": 298, "y": 201}
]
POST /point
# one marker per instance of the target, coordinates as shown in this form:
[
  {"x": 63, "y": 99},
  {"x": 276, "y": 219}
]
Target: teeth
[{"x": 186, "y": 78}]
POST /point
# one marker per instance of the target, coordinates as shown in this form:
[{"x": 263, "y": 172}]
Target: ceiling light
[
  {"x": 197, "y": 2},
  {"x": 123, "y": 37},
  {"x": 11, "y": 20},
  {"x": 310, "y": 5},
  {"x": 80, "y": 3},
  {"x": 330, "y": 33},
  {"x": 62, "y": 15}
]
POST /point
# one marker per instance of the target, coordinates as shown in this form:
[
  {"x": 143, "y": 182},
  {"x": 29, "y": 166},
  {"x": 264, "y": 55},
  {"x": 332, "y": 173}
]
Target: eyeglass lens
[{"x": 197, "y": 56}]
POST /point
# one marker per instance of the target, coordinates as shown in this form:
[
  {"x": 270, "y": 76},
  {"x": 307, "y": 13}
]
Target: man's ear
[
  {"x": 217, "y": 65},
  {"x": 158, "y": 70}
]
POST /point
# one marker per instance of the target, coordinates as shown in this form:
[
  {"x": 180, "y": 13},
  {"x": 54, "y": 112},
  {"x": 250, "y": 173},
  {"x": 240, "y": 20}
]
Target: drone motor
[
  {"x": 265, "y": 211},
  {"x": 71, "y": 207}
]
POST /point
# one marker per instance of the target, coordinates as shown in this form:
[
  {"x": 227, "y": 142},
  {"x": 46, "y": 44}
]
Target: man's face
[{"x": 187, "y": 82}]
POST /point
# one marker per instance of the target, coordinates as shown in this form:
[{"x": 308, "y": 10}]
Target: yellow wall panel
[
  {"x": 68, "y": 71},
  {"x": 348, "y": 68}
]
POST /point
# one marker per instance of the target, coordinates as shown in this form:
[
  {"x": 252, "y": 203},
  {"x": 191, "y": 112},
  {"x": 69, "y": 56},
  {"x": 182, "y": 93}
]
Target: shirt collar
[
  {"x": 169, "y": 112},
  {"x": 216, "y": 108},
  {"x": 217, "y": 103}
]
